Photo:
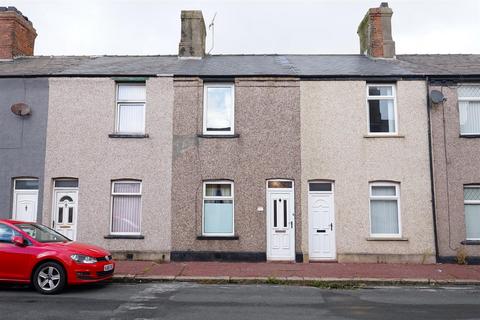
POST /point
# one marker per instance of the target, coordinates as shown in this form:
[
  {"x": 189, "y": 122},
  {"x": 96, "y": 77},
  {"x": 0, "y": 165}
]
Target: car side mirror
[{"x": 18, "y": 241}]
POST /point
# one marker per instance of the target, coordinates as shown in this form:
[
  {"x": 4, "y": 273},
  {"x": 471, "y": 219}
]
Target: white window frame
[
  {"x": 126, "y": 103},
  {"x": 475, "y": 202},
  {"x": 205, "y": 107},
  {"x": 396, "y": 197},
  {"x": 231, "y": 197},
  {"x": 467, "y": 99},
  {"x": 112, "y": 194},
  {"x": 393, "y": 96}
]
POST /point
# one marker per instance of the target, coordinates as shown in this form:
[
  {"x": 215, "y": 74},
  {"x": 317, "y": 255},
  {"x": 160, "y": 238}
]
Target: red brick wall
[
  {"x": 17, "y": 36},
  {"x": 376, "y": 33}
]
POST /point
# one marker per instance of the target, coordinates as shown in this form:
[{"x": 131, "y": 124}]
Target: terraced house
[{"x": 244, "y": 157}]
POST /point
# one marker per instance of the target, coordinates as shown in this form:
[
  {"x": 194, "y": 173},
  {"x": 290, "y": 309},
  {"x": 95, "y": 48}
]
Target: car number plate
[{"x": 108, "y": 267}]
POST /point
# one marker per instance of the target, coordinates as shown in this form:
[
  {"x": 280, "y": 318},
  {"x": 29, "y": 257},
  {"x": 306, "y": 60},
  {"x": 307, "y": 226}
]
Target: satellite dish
[
  {"x": 436, "y": 96},
  {"x": 21, "y": 109}
]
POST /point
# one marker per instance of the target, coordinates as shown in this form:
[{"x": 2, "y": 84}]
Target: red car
[{"x": 35, "y": 254}]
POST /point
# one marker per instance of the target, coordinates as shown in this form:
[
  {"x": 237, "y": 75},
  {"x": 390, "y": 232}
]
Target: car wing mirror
[{"x": 18, "y": 241}]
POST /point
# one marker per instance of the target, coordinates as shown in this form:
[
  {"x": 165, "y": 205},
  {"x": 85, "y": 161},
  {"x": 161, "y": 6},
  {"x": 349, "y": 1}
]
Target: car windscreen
[{"x": 41, "y": 233}]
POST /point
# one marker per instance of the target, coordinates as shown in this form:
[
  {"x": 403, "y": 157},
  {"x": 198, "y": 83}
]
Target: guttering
[{"x": 430, "y": 156}]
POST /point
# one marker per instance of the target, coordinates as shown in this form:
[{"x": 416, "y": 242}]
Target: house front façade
[{"x": 241, "y": 157}]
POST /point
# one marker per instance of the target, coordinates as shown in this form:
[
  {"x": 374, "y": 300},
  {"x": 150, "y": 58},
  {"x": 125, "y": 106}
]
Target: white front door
[
  {"x": 25, "y": 203},
  {"x": 321, "y": 217},
  {"x": 65, "y": 212},
  {"x": 280, "y": 221}
]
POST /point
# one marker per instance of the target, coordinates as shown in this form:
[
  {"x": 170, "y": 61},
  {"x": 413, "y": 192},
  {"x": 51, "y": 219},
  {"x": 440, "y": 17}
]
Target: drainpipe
[{"x": 430, "y": 154}]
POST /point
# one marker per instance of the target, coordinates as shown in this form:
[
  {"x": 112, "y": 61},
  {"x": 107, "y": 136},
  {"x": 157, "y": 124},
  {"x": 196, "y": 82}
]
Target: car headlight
[{"x": 80, "y": 258}]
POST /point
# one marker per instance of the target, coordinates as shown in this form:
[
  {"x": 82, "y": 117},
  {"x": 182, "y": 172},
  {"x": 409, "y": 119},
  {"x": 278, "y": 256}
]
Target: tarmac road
[{"x": 176, "y": 300}]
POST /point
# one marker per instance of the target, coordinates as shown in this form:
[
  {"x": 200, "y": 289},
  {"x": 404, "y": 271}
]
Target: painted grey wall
[{"x": 22, "y": 140}]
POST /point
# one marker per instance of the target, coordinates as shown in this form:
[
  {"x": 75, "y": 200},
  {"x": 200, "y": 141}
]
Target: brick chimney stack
[
  {"x": 192, "y": 41},
  {"x": 17, "y": 35},
  {"x": 375, "y": 32}
]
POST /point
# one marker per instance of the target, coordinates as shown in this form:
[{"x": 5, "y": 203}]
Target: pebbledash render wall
[
  {"x": 267, "y": 121},
  {"x": 81, "y": 117},
  {"x": 335, "y": 146},
  {"x": 456, "y": 164}
]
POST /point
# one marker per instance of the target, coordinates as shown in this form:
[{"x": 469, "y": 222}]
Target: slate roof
[{"x": 244, "y": 65}]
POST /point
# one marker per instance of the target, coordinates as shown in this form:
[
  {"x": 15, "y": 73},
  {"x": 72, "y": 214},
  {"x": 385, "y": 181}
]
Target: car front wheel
[{"x": 49, "y": 278}]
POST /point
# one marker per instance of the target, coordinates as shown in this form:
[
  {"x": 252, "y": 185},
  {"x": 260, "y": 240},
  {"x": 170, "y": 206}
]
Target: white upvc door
[
  {"x": 280, "y": 224},
  {"x": 321, "y": 225},
  {"x": 65, "y": 212},
  {"x": 25, "y": 203}
]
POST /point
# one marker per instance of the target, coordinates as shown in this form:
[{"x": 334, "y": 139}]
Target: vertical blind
[
  {"x": 131, "y": 92},
  {"x": 126, "y": 207},
  {"x": 384, "y": 210},
  {"x": 384, "y": 216},
  {"x": 131, "y": 118},
  {"x": 472, "y": 212},
  {"x": 131, "y": 108},
  {"x": 469, "y": 109}
]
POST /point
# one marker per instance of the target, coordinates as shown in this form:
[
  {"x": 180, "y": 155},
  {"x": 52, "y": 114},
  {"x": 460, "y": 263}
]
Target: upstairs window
[
  {"x": 469, "y": 109},
  {"x": 382, "y": 113},
  {"x": 130, "y": 108},
  {"x": 218, "y": 109}
]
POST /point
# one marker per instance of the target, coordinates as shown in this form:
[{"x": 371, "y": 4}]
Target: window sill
[
  {"x": 384, "y": 136},
  {"x": 471, "y": 242},
  {"x": 130, "y": 136},
  {"x": 386, "y": 239},
  {"x": 125, "y": 236},
  {"x": 469, "y": 136},
  {"x": 217, "y": 238},
  {"x": 218, "y": 136}
]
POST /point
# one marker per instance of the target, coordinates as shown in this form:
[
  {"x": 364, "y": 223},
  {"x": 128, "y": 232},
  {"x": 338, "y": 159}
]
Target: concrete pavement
[{"x": 298, "y": 272}]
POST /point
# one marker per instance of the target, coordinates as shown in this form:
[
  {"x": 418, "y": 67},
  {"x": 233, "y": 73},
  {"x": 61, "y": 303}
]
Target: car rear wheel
[{"x": 49, "y": 278}]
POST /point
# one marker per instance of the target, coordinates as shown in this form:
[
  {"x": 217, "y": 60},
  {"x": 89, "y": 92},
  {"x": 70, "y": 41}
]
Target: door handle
[
  {"x": 331, "y": 226},
  {"x": 291, "y": 224}
]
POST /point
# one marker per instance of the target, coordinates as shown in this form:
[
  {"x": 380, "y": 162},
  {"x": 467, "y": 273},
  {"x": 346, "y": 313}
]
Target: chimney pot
[
  {"x": 193, "y": 35},
  {"x": 17, "y": 34},
  {"x": 375, "y": 33}
]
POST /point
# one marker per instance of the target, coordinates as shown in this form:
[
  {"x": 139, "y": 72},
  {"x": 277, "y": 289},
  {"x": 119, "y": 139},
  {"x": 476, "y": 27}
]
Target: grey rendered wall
[
  {"x": 267, "y": 119},
  {"x": 22, "y": 140},
  {"x": 462, "y": 157}
]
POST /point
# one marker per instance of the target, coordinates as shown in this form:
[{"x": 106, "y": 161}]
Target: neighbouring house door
[
  {"x": 65, "y": 212},
  {"x": 25, "y": 200},
  {"x": 25, "y": 207},
  {"x": 280, "y": 220},
  {"x": 321, "y": 217}
]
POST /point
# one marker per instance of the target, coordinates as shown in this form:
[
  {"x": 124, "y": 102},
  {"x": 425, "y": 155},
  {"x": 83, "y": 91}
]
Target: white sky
[{"x": 89, "y": 27}]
